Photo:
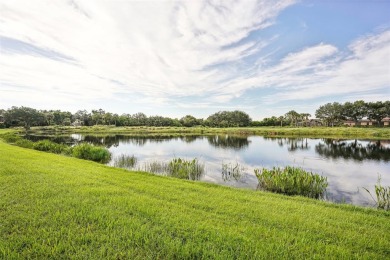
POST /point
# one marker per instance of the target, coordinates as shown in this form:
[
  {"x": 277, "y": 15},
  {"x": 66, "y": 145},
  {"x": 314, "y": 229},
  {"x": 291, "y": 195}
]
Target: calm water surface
[{"x": 349, "y": 165}]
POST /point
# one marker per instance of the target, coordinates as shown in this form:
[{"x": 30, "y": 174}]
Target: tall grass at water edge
[
  {"x": 232, "y": 171},
  {"x": 177, "y": 168},
  {"x": 382, "y": 194},
  {"x": 91, "y": 152},
  {"x": 155, "y": 167},
  {"x": 292, "y": 181},
  {"x": 185, "y": 169},
  {"x": 125, "y": 161},
  {"x": 82, "y": 151}
]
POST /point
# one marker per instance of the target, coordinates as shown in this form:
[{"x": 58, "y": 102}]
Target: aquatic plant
[
  {"x": 292, "y": 181},
  {"x": 183, "y": 169},
  {"x": 24, "y": 143},
  {"x": 11, "y": 137},
  {"x": 90, "y": 152},
  {"x": 382, "y": 195},
  {"x": 155, "y": 167},
  {"x": 49, "y": 146},
  {"x": 232, "y": 171},
  {"x": 125, "y": 161}
]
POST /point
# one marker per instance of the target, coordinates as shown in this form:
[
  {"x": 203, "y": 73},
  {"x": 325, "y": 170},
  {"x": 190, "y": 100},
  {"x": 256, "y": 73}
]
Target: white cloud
[
  {"x": 159, "y": 50},
  {"x": 366, "y": 69}
]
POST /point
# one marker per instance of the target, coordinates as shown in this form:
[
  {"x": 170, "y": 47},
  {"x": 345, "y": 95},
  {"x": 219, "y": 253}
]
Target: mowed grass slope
[{"x": 52, "y": 206}]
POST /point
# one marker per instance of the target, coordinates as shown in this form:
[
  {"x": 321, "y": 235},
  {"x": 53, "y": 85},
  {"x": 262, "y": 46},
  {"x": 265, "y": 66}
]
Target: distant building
[
  {"x": 315, "y": 122},
  {"x": 350, "y": 123},
  {"x": 386, "y": 121},
  {"x": 367, "y": 122}
]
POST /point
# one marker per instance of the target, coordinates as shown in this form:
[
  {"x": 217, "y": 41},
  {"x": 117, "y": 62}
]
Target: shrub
[
  {"x": 292, "y": 181},
  {"x": 11, "y": 138},
  {"x": 91, "y": 152},
  {"x": 24, "y": 143},
  {"x": 49, "y": 146}
]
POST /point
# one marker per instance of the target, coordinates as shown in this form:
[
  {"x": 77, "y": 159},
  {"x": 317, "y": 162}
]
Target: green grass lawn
[
  {"x": 52, "y": 206},
  {"x": 335, "y": 132}
]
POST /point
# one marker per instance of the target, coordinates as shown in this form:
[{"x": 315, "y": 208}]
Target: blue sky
[{"x": 174, "y": 58}]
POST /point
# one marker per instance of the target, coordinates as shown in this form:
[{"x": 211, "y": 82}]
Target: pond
[{"x": 349, "y": 165}]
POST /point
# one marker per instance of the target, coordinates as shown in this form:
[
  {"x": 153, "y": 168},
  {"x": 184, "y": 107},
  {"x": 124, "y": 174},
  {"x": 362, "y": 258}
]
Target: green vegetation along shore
[
  {"x": 335, "y": 132},
  {"x": 52, "y": 207}
]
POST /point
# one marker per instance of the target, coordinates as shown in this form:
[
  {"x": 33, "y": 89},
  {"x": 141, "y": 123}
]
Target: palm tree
[
  {"x": 305, "y": 118},
  {"x": 292, "y": 116}
]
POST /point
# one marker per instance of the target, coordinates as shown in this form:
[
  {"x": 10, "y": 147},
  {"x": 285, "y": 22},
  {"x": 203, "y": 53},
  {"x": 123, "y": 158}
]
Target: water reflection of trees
[
  {"x": 114, "y": 140},
  {"x": 228, "y": 142},
  {"x": 354, "y": 150},
  {"x": 292, "y": 144}
]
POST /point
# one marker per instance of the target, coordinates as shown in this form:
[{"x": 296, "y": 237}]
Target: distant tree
[
  {"x": 281, "y": 119},
  {"x": 49, "y": 117},
  {"x": 330, "y": 113},
  {"x": 229, "y": 119},
  {"x": 98, "y": 117},
  {"x": 189, "y": 121},
  {"x": 292, "y": 116},
  {"x": 24, "y": 116},
  {"x": 377, "y": 111},
  {"x": 67, "y": 121},
  {"x": 59, "y": 116},
  {"x": 354, "y": 111},
  {"x": 84, "y": 117},
  {"x": 305, "y": 118},
  {"x": 2, "y": 118},
  {"x": 139, "y": 119}
]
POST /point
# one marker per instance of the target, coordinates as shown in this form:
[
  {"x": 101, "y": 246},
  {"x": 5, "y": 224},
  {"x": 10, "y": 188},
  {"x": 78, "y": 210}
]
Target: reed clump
[
  {"x": 91, "y": 152},
  {"x": 292, "y": 181},
  {"x": 125, "y": 161},
  {"x": 156, "y": 167},
  {"x": 232, "y": 171},
  {"x": 25, "y": 143},
  {"x": 49, "y": 146},
  {"x": 382, "y": 194},
  {"x": 185, "y": 169}
]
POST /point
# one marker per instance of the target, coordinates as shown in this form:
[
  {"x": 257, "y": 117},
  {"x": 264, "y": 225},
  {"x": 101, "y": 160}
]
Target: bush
[
  {"x": 11, "y": 138},
  {"x": 24, "y": 143},
  {"x": 292, "y": 181},
  {"x": 91, "y": 152},
  {"x": 49, "y": 146}
]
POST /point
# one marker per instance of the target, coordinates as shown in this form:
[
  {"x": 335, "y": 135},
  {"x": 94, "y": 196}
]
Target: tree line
[
  {"x": 27, "y": 117},
  {"x": 330, "y": 114}
]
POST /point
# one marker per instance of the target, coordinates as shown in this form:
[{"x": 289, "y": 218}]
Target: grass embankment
[
  {"x": 52, "y": 206},
  {"x": 335, "y": 132}
]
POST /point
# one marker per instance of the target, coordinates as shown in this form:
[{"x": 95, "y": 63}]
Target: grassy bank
[
  {"x": 52, "y": 206},
  {"x": 336, "y": 132}
]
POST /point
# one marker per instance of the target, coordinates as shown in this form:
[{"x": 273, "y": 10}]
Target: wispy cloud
[
  {"x": 364, "y": 69},
  {"x": 156, "y": 52},
  {"x": 157, "y": 49}
]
